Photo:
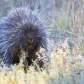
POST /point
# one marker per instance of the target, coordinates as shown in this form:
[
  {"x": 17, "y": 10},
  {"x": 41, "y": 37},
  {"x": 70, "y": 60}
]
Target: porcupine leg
[
  {"x": 29, "y": 61},
  {"x": 41, "y": 63},
  {"x": 15, "y": 59}
]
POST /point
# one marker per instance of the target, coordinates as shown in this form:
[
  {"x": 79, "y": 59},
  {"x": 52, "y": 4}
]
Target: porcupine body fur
[{"x": 21, "y": 29}]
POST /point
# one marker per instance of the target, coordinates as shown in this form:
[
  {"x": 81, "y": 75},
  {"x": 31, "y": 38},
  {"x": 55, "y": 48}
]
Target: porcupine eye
[{"x": 30, "y": 40}]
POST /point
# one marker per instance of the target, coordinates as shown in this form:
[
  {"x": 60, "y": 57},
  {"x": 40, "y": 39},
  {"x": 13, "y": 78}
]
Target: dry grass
[
  {"x": 66, "y": 63},
  {"x": 64, "y": 67}
]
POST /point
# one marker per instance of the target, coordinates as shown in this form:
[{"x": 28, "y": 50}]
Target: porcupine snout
[{"x": 31, "y": 41}]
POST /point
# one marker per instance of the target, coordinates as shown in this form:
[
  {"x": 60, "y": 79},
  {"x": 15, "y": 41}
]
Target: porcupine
[{"x": 21, "y": 29}]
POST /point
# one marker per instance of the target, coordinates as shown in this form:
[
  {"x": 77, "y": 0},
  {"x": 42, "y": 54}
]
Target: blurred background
[
  {"x": 65, "y": 18},
  {"x": 49, "y": 5}
]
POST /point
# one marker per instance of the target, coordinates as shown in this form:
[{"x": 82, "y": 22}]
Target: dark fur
[{"x": 19, "y": 30}]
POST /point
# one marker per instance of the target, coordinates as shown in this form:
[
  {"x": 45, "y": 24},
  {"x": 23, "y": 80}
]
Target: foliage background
[{"x": 65, "y": 25}]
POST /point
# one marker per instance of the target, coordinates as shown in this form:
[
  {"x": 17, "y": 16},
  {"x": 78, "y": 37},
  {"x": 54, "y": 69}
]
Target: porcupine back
[{"x": 13, "y": 31}]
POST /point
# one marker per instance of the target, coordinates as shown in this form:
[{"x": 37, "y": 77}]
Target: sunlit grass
[
  {"x": 65, "y": 64},
  {"x": 63, "y": 67}
]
